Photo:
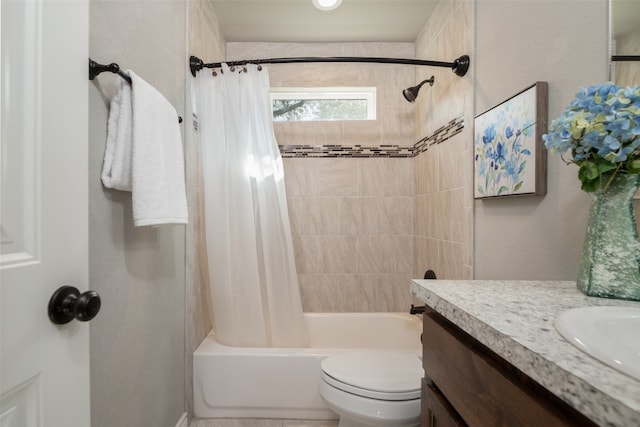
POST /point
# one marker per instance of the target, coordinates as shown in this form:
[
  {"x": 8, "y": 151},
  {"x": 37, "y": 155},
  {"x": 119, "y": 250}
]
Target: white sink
[{"x": 609, "y": 334}]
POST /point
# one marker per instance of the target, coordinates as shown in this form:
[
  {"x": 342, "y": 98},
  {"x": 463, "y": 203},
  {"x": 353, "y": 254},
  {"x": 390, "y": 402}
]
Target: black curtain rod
[
  {"x": 460, "y": 66},
  {"x": 625, "y": 58}
]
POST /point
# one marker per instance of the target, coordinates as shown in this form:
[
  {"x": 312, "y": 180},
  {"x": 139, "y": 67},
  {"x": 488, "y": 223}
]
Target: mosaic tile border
[
  {"x": 444, "y": 133},
  {"x": 447, "y": 131}
]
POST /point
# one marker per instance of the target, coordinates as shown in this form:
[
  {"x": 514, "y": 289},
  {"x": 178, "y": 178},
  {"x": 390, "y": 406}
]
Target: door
[{"x": 44, "y": 368}]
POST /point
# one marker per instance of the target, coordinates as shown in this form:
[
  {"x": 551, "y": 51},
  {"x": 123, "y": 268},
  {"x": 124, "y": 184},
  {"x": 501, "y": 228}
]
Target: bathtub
[{"x": 234, "y": 382}]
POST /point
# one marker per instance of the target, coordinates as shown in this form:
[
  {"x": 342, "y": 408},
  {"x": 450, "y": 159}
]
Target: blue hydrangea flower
[{"x": 601, "y": 128}]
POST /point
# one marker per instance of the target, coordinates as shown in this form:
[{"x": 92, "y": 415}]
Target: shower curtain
[{"x": 254, "y": 286}]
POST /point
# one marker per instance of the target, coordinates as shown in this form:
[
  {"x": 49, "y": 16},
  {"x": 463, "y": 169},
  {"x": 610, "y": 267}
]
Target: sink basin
[{"x": 609, "y": 334}]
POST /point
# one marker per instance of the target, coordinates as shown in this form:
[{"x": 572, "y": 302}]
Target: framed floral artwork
[{"x": 509, "y": 155}]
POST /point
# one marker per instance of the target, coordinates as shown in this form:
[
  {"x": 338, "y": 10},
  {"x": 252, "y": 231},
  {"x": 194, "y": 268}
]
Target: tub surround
[
  {"x": 514, "y": 319},
  {"x": 282, "y": 383}
]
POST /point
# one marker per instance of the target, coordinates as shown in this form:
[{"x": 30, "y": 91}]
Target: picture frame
[{"x": 510, "y": 158}]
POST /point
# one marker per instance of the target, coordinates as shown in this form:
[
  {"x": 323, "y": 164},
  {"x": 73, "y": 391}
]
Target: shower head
[{"x": 410, "y": 94}]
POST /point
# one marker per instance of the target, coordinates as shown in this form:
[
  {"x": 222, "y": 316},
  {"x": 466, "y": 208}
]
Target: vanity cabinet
[
  {"x": 472, "y": 386},
  {"x": 436, "y": 410}
]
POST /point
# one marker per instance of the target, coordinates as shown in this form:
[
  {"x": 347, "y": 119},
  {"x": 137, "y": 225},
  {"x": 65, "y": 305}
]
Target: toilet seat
[{"x": 380, "y": 375}]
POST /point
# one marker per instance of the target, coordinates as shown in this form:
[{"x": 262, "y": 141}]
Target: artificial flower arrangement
[{"x": 601, "y": 127}]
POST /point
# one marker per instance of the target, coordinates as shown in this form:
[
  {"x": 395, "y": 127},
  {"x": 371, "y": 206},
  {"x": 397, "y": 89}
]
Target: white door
[{"x": 44, "y": 368}]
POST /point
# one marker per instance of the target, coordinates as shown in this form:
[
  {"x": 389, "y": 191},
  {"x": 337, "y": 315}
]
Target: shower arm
[{"x": 459, "y": 66}]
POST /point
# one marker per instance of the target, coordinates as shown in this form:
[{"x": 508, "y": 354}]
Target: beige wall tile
[
  {"x": 306, "y": 254},
  {"x": 320, "y": 293},
  {"x": 337, "y": 254},
  {"x": 404, "y": 255},
  {"x": 404, "y": 171},
  {"x": 371, "y": 257},
  {"x": 421, "y": 216},
  {"x": 426, "y": 256},
  {"x": 321, "y": 216},
  {"x": 359, "y": 216},
  {"x": 444, "y": 172},
  {"x": 295, "y": 207},
  {"x": 395, "y": 289},
  {"x": 457, "y": 219},
  {"x": 377, "y": 177},
  {"x": 441, "y": 209},
  {"x": 449, "y": 256},
  {"x": 300, "y": 176},
  {"x": 337, "y": 177},
  {"x": 451, "y": 172},
  {"x": 356, "y": 132},
  {"x": 396, "y": 215}
]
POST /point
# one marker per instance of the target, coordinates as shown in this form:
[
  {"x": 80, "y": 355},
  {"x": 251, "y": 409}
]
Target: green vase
[{"x": 610, "y": 264}]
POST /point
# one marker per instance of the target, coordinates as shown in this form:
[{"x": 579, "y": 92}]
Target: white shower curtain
[{"x": 254, "y": 286}]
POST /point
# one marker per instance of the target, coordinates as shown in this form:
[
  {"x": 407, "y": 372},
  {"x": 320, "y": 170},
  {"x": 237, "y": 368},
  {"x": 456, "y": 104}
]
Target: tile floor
[{"x": 226, "y": 422}]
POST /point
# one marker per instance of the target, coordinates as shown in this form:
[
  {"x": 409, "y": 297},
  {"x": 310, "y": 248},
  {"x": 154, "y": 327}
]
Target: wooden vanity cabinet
[
  {"x": 436, "y": 410},
  {"x": 472, "y": 386}
]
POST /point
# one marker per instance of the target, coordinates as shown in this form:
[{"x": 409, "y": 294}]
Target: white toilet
[{"x": 373, "y": 388}]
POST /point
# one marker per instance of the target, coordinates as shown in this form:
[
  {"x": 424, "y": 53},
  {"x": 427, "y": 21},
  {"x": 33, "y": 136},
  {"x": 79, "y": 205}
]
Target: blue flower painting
[{"x": 504, "y": 147}]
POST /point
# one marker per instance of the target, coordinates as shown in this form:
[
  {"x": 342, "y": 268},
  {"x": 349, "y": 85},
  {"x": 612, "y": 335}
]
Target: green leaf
[
  {"x": 604, "y": 166},
  {"x": 502, "y": 189},
  {"x": 588, "y": 171},
  {"x": 480, "y": 190},
  {"x": 590, "y": 185},
  {"x": 634, "y": 166},
  {"x": 522, "y": 166},
  {"x": 518, "y": 185}
]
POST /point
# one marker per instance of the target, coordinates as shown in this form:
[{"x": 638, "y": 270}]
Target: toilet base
[
  {"x": 357, "y": 411},
  {"x": 347, "y": 422}
]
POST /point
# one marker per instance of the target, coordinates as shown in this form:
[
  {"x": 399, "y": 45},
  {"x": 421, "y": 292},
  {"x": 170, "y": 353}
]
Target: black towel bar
[{"x": 95, "y": 69}]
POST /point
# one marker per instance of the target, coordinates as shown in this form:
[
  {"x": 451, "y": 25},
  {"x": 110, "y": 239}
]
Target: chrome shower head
[{"x": 410, "y": 94}]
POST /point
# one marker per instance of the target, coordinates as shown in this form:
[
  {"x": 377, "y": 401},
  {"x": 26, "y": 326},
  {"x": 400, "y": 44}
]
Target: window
[{"x": 323, "y": 103}]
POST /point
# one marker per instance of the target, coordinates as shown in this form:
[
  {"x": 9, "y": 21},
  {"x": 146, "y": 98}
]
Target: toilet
[{"x": 373, "y": 388}]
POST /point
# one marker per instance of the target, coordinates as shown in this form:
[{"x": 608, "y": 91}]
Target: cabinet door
[
  {"x": 484, "y": 388},
  {"x": 436, "y": 410}
]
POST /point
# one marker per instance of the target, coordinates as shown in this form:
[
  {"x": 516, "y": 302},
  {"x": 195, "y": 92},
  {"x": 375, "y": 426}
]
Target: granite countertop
[{"x": 515, "y": 320}]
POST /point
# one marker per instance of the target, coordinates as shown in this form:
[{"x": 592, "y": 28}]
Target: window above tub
[{"x": 293, "y": 104}]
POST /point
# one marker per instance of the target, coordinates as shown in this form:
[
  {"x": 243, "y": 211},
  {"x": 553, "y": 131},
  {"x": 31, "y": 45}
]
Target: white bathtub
[{"x": 233, "y": 382}]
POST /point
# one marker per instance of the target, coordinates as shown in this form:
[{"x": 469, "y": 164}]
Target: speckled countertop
[{"x": 515, "y": 320}]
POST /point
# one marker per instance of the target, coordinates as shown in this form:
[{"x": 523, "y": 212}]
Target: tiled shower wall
[
  {"x": 352, "y": 226},
  {"x": 626, "y": 73},
  {"x": 205, "y": 41},
  {"x": 443, "y": 203},
  {"x": 352, "y": 218}
]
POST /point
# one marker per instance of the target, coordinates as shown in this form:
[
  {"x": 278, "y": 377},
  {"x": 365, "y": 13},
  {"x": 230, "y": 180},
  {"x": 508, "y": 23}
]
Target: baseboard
[{"x": 183, "y": 421}]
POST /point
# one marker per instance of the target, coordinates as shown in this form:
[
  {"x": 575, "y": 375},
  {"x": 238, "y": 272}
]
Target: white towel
[
  {"x": 144, "y": 154},
  {"x": 116, "y": 168}
]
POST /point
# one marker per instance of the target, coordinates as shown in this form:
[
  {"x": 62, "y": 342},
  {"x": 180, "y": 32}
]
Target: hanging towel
[
  {"x": 116, "y": 167},
  {"x": 144, "y": 154}
]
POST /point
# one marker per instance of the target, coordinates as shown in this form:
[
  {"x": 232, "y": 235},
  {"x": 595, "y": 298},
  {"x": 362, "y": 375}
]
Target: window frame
[{"x": 368, "y": 93}]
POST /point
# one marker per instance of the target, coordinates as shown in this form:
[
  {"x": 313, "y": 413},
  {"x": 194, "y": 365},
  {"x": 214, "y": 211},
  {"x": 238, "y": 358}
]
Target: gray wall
[
  {"x": 137, "y": 341},
  {"x": 519, "y": 43}
]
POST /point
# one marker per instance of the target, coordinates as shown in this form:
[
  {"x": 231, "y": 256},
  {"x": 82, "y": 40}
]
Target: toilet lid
[{"x": 383, "y": 374}]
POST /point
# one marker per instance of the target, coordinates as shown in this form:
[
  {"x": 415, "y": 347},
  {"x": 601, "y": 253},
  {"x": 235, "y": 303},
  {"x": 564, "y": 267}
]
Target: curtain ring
[
  {"x": 232, "y": 69},
  {"x": 259, "y": 67},
  {"x": 214, "y": 74}
]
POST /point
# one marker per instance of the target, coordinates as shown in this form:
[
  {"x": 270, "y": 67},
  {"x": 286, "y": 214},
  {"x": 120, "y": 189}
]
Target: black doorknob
[{"x": 67, "y": 303}]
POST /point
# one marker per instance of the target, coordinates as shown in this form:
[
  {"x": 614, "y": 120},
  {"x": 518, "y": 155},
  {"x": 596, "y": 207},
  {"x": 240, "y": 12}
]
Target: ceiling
[{"x": 298, "y": 21}]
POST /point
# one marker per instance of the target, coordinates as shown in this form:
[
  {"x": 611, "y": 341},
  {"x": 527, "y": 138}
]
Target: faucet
[{"x": 416, "y": 310}]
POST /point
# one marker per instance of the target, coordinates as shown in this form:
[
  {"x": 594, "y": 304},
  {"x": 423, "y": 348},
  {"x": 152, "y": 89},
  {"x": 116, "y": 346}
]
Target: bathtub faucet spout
[{"x": 416, "y": 310}]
